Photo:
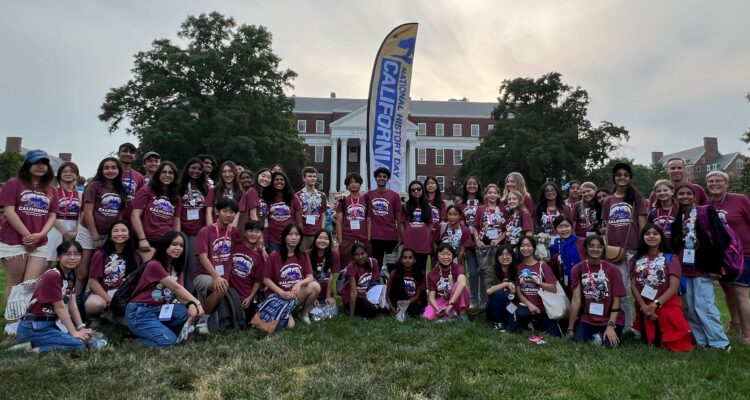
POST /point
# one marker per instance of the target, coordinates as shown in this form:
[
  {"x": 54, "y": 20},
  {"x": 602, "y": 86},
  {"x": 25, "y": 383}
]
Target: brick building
[
  {"x": 704, "y": 159},
  {"x": 439, "y": 134},
  {"x": 13, "y": 144}
]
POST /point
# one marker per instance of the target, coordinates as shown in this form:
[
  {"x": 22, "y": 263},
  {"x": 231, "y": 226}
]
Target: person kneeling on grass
[
  {"x": 289, "y": 281},
  {"x": 362, "y": 273},
  {"x": 407, "y": 283},
  {"x": 447, "y": 296},
  {"x": 534, "y": 275},
  {"x": 248, "y": 267},
  {"x": 325, "y": 262},
  {"x": 500, "y": 287},
  {"x": 109, "y": 267},
  {"x": 600, "y": 293},
  {"x": 153, "y": 313},
  {"x": 51, "y": 305}
]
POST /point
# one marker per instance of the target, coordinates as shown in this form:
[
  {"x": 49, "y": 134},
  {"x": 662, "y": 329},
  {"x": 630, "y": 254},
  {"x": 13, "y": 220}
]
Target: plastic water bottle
[
  {"x": 97, "y": 341},
  {"x": 597, "y": 340}
]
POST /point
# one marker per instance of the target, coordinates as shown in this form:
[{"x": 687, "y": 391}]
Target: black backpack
[{"x": 124, "y": 293}]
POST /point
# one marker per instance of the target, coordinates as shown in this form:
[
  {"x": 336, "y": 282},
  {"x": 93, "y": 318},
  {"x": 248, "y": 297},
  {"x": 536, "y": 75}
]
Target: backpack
[
  {"x": 724, "y": 239},
  {"x": 228, "y": 314},
  {"x": 124, "y": 293}
]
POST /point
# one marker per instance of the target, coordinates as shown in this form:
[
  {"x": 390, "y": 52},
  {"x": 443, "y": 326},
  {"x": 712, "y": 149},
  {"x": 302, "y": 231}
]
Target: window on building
[
  {"x": 474, "y": 130},
  {"x": 422, "y": 156},
  {"x": 456, "y": 129},
  {"x": 740, "y": 164},
  {"x": 320, "y": 126},
  {"x": 319, "y": 154},
  {"x": 301, "y": 126},
  {"x": 458, "y": 156},
  {"x": 320, "y": 181},
  {"x": 439, "y": 129},
  {"x": 439, "y": 156},
  {"x": 353, "y": 152},
  {"x": 421, "y": 129},
  {"x": 697, "y": 168},
  {"x": 490, "y": 127},
  {"x": 441, "y": 182},
  {"x": 421, "y": 178}
]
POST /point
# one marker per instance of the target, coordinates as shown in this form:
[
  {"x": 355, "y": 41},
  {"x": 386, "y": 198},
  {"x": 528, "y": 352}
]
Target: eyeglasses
[
  {"x": 416, "y": 189},
  {"x": 71, "y": 254}
]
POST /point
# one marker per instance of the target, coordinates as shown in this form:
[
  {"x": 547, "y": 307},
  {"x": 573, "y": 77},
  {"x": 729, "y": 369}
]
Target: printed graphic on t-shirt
[
  {"x": 280, "y": 212},
  {"x": 163, "y": 294},
  {"x": 453, "y": 237},
  {"x": 34, "y": 203},
  {"x": 417, "y": 218},
  {"x": 380, "y": 206},
  {"x": 114, "y": 271},
  {"x": 130, "y": 187},
  {"x": 221, "y": 249},
  {"x": 111, "y": 205},
  {"x": 595, "y": 285},
  {"x": 290, "y": 275},
  {"x": 355, "y": 211},
  {"x": 620, "y": 214},
  {"x": 411, "y": 286},
  {"x": 69, "y": 207},
  {"x": 444, "y": 286},
  {"x": 242, "y": 265},
  {"x": 311, "y": 202},
  {"x": 193, "y": 199},
  {"x": 652, "y": 273},
  {"x": 162, "y": 208},
  {"x": 364, "y": 282},
  {"x": 320, "y": 274}
]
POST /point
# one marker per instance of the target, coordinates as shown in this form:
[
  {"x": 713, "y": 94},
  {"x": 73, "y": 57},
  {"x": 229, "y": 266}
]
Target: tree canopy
[
  {"x": 222, "y": 93},
  {"x": 541, "y": 131},
  {"x": 10, "y": 163}
]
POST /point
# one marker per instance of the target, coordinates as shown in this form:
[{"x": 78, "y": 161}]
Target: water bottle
[{"x": 97, "y": 341}]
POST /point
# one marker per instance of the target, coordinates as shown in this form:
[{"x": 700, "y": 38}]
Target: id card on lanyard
[
  {"x": 354, "y": 222},
  {"x": 216, "y": 258}
]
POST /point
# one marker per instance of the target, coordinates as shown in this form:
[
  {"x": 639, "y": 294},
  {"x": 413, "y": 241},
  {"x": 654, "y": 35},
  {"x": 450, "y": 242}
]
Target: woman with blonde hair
[{"x": 515, "y": 181}]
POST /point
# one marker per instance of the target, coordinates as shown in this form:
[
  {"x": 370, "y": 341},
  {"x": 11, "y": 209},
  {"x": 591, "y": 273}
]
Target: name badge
[
  {"x": 311, "y": 219},
  {"x": 492, "y": 234},
  {"x": 565, "y": 281},
  {"x": 219, "y": 269},
  {"x": 265, "y": 223},
  {"x": 688, "y": 257},
  {"x": 354, "y": 224},
  {"x": 596, "y": 309},
  {"x": 516, "y": 231},
  {"x": 511, "y": 308},
  {"x": 166, "y": 312},
  {"x": 193, "y": 214},
  {"x": 648, "y": 292},
  {"x": 553, "y": 239}
]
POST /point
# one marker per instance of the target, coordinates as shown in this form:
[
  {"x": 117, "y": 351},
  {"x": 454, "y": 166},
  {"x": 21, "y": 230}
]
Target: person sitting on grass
[
  {"x": 109, "y": 267},
  {"x": 325, "y": 262},
  {"x": 534, "y": 275},
  {"x": 153, "y": 313},
  {"x": 500, "y": 287},
  {"x": 248, "y": 267},
  {"x": 362, "y": 273},
  {"x": 447, "y": 296},
  {"x": 407, "y": 283},
  {"x": 600, "y": 294},
  {"x": 655, "y": 277},
  {"x": 51, "y": 303}
]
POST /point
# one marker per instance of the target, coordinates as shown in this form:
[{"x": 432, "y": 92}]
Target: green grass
[{"x": 359, "y": 359}]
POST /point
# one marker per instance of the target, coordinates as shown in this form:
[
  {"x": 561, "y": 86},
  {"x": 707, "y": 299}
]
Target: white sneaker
[
  {"x": 25, "y": 346},
  {"x": 10, "y": 329},
  {"x": 306, "y": 318}
]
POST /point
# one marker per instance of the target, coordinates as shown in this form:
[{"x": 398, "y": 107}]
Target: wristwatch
[
  {"x": 611, "y": 323},
  {"x": 658, "y": 303}
]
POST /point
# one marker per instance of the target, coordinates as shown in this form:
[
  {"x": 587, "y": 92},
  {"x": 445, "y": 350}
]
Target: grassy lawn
[{"x": 358, "y": 359}]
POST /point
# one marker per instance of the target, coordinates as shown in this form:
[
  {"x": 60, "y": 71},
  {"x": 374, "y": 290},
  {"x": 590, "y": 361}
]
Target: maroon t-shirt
[
  {"x": 33, "y": 207},
  {"x": 324, "y": 277},
  {"x": 455, "y": 237},
  {"x": 280, "y": 215},
  {"x": 68, "y": 204},
  {"x": 159, "y": 212},
  {"x": 545, "y": 221},
  {"x": 51, "y": 288},
  {"x": 469, "y": 209},
  {"x": 601, "y": 284},
  {"x": 247, "y": 269},
  {"x": 286, "y": 274},
  {"x": 107, "y": 206},
  {"x": 193, "y": 211},
  {"x": 410, "y": 283},
  {"x": 663, "y": 218},
  {"x": 133, "y": 182},
  {"x": 150, "y": 290},
  {"x": 356, "y": 209},
  {"x": 438, "y": 212},
  {"x": 362, "y": 277},
  {"x": 619, "y": 217},
  {"x": 584, "y": 217},
  {"x": 490, "y": 219},
  {"x": 654, "y": 272},
  {"x": 108, "y": 269},
  {"x": 442, "y": 282},
  {"x": 382, "y": 208},
  {"x": 416, "y": 232},
  {"x": 734, "y": 210},
  {"x": 314, "y": 206},
  {"x": 530, "y": 289},
  {"x": 700, "y": 195},
  {"x": 528, "y": 204},
  {"x": 515, "y": 221},
  {"x": 217, "y": 244}
]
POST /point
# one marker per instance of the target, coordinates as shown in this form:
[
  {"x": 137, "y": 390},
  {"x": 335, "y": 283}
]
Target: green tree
[
  {"x": 10, "y": 163},
  {"x": 222, "y": 93},
  {"x": 541, "y": 131}
]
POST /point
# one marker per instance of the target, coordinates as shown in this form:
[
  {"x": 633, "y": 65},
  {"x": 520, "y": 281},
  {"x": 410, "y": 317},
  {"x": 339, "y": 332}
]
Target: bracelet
[
  {"x": 80, "y": 326},
  {"x": 191, "y": 303}
]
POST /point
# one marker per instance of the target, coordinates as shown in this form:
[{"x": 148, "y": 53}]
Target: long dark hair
[
  {"x": 360, "y": 245},
  {"x": 178, "y": 264},
  {"x": 116, "y": 182},
  {"x": 270, "y": 192},
  {"x": 172, "y": 190},
  {"x": 479, "y": 196},
  {"x": 531, "y": 240},
  {"x": 542, "y": 205},
  {"x": 24, "y": 174},
  {"x": 630, "y": 192},
  {"x": 438, "y": 195},
  {"x": 256, "y": 182},
  {"x": 185, "y": 179},
  {"x": 397, "y": 285},
  {"x": 413, "y": 203},
  {"x": 128, "y": 251},
  {"x": 498, "y": 270},
  {"x": 221, "y": 186},
  {"x": 283, "y": 250},
  {"x": 643, "y": 247},
  {"x": 327, "y": 252},
  {"x": 596, "y": 202}
]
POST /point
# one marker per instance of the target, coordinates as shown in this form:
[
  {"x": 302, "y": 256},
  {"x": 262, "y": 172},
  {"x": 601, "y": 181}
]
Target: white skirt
[{"x": 54, "y": 237}]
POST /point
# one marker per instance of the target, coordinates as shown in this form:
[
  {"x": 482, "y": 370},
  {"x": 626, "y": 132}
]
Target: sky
[{"x": 671, "y": 72}]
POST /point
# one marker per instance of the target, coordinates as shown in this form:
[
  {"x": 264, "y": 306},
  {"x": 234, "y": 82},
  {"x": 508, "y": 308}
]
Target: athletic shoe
[
  {"x": 10, "y": 329},
  {"x": 25, "y": 346}
]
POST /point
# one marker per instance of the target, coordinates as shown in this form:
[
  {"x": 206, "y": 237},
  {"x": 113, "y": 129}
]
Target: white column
[
  {"x": 344, "y": 153},
  {"x": 333, "y": 178},
  {"x": 412, "y": 163},
  {"x": 363, "y": 164}
]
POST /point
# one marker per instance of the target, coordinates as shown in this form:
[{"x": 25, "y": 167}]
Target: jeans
[
  {"x": 625, "y": 304},
  {"x": 585, "y": 332},
  {"x": 143, "y": 322},
  {"x": 497, "y": 311},
  {"x": 702, "y": 314},
  {"x": 475, "y": 277},
  {"x": 46, "y": 336},
  {"x": 539, "y": 321}
]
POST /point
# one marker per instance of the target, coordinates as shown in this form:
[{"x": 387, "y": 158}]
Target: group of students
[{"x": 252, "y": 242}]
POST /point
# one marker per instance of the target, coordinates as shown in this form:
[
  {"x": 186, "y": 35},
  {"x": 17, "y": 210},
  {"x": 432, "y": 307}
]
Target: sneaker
[
  {"x": 727, "y": 348},
  {"x": 306, "y": 319},
  {"x": 465, "y": 319},
  {"x": 10, "y": 329},
  {"x": 25, "y": 346},
  {"x": 499, "y": 326}
]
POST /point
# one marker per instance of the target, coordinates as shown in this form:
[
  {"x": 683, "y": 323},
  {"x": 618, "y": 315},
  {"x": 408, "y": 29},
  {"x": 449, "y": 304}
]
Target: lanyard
[
  {"x": 592, "y": 284},
  {"x": 226, "y": 236},
  {"x": 355, "y": 207},
  {"x": 68, "y": 201},
  {"x": 663, "y": 224}
]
